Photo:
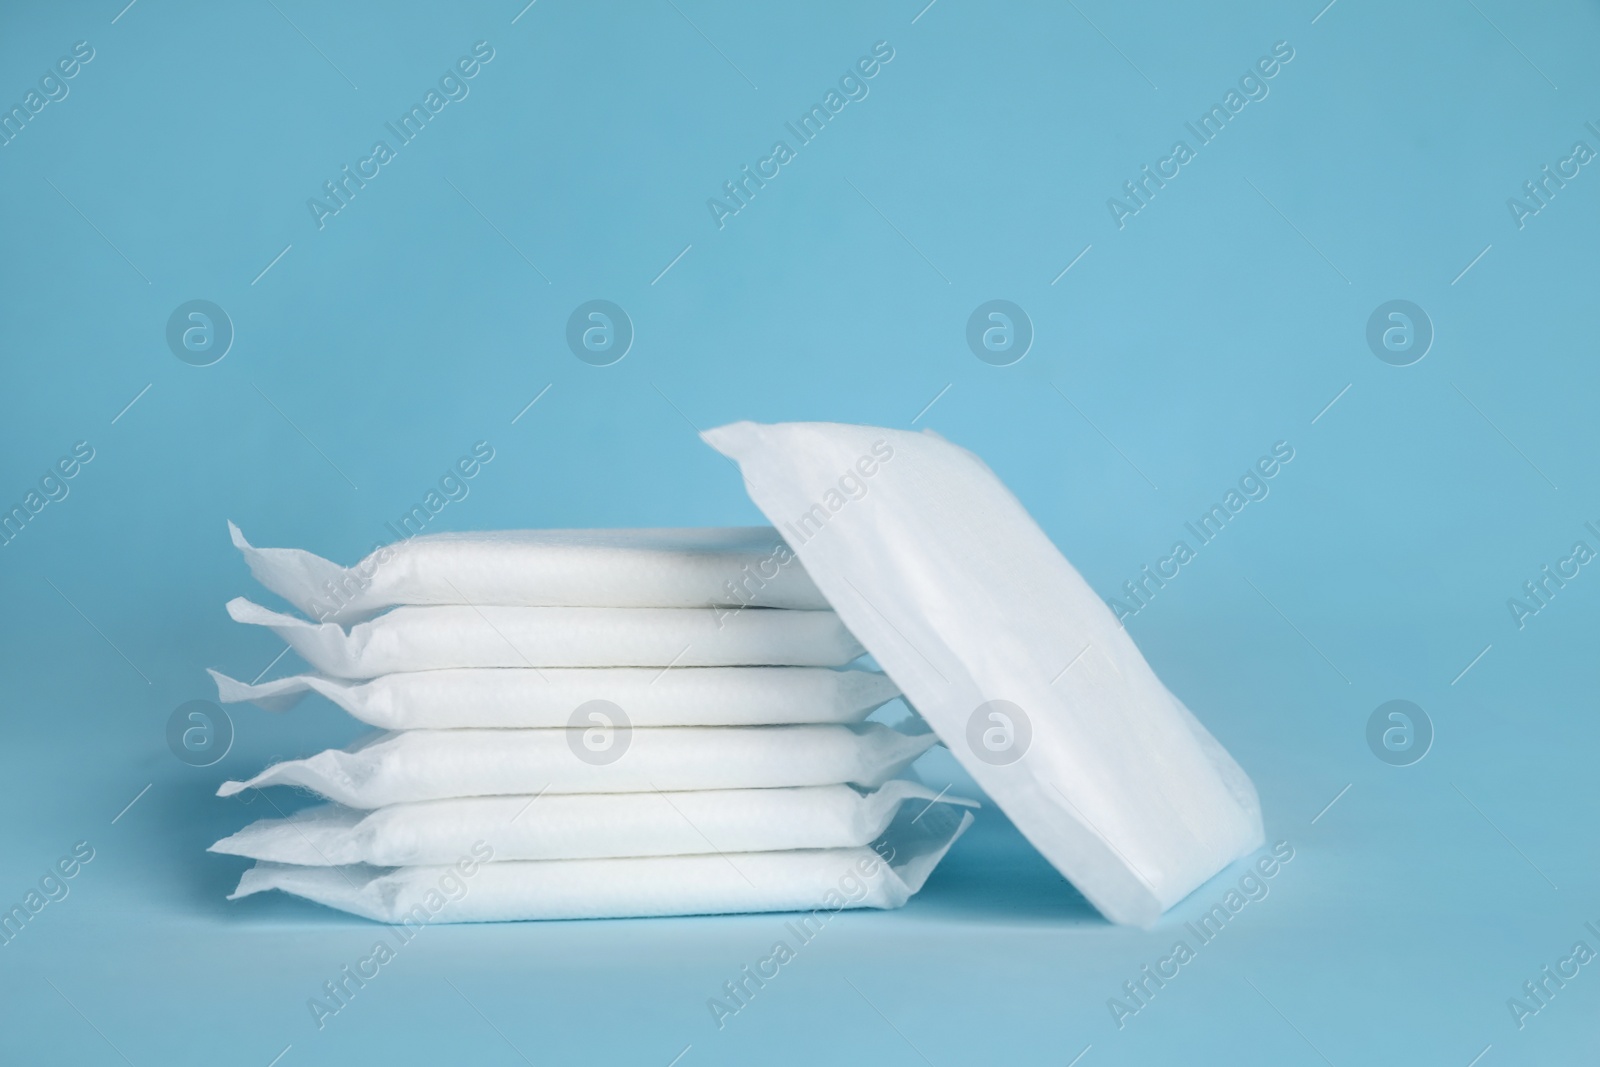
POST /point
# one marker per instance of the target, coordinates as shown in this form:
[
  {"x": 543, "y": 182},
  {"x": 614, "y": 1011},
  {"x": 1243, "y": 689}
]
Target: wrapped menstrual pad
[{"x": 1009, "y": 654}]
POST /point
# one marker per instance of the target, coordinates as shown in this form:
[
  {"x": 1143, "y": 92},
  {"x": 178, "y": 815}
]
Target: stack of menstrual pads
[{"x": 585, "y": 724}]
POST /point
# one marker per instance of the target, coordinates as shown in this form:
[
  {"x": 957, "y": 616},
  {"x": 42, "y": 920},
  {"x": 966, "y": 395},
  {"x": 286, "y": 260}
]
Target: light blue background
[{"x": 1222, "y": 319}]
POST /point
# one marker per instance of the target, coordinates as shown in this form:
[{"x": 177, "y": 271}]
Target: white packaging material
[
  {"x": 820, "y": 881},
  {"x": 1009, "y": 655},
  {"x": 689, "y": 696},
  {"x": 395, "y": 768},
  {"x": 580, "y": 826},
  {"x": 688, "y": 568},
  {"x": 433, "y": 638}
]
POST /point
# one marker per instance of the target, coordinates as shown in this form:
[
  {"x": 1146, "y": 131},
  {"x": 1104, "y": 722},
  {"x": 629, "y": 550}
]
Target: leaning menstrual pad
[{"x": 1009, "y": 655}]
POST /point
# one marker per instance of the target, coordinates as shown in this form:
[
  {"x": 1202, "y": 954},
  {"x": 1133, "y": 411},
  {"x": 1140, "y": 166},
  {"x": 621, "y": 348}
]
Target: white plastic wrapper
[
  {"x": 1009, "y": 654},
  {"x": 581, "y": 826},
  {"x": 509, "y": 698},
  {"x": 435, "y": 638},
  {"x": 819, "y": 881},
  {"x": 687, "y": 568},
  {"x": 395, "y": 768}
]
